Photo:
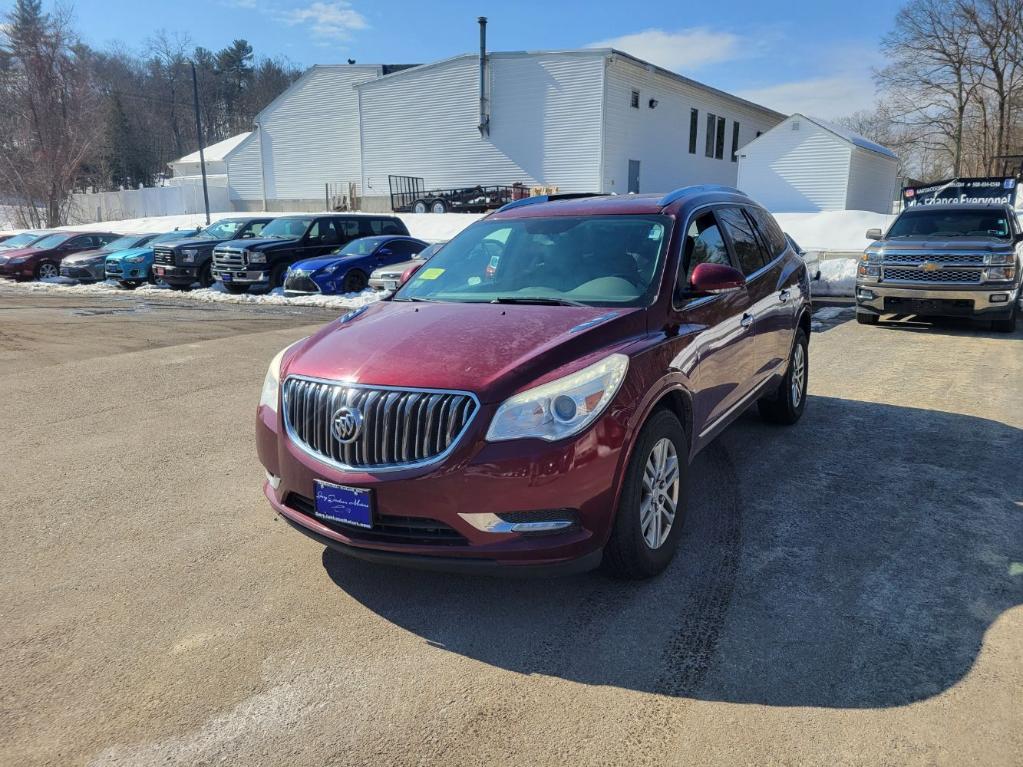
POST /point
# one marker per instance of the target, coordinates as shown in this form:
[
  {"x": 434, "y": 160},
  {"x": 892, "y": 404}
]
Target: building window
[
  {"x": 635, "y": 100},
  {"x": 719, "y": 147},
  {"x": 694, "y": 125},
  {"x": 712, "y": 121},
  {"x": 735, "y": 142}
]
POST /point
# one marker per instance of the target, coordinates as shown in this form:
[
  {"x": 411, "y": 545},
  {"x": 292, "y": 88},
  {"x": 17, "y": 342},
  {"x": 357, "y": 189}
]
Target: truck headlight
[
  {"x": 271, "y": 383},
  {"x": 1000, "y": 274},
  {"x": 1000, "y": 259},
  {"x": 561, "y": 408},
  {"x": 188, "y": 255},
  {"x": 255, "y": 257}
]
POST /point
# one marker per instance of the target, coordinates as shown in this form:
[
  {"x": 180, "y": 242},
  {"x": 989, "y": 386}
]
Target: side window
[
  {"x": 328, "y": 234},
  {"x": 253, "y": 229},
  {"x": 404, "y": 248},
  {"x": 703, "y": 245},
  {"x": 314, "y": 231},
  {"x": 387, "y": 226},
  {"x": 744, "y": 240},
  {"x": 770, "y": 232}
]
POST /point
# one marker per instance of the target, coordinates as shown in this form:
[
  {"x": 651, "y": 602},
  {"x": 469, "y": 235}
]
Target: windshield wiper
[
  {"x": 541, "y": 300},
  {"x": 423, "y": 300}
]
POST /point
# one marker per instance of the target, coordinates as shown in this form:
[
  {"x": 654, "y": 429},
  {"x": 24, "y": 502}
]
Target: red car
[
  {"x": 540, "y": 416},
  {"x": 42, "y": 258}
]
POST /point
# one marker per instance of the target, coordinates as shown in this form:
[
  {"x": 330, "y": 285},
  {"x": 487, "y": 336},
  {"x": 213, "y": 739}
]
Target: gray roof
[{"x": 852, "y": 138}]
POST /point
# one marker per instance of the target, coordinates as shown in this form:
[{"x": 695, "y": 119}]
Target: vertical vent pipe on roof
[{"x": 484, "y": 125}]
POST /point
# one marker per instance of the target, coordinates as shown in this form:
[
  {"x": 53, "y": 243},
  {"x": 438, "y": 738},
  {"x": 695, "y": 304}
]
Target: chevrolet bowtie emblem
[{"x": 930, "y": 266}]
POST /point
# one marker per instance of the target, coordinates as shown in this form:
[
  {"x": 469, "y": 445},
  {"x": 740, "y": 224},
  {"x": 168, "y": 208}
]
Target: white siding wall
[
  {"x": 800, "y": 170},
  {"x": 245, "y": 181},
  {"x": 659, "y": 138},
  {"x": 872, "y": 180},
  {"x": 310, "y": 135},
  {"x": 213, "y": 167},
  {"x": 544, "y": 117}
]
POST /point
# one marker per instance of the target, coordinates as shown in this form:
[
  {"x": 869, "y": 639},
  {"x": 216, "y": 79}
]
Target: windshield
[
  {"x": 222, "y": 230},
  {"x": 19, "y": 240},
  {"x": 287, "y": 228},
  {"x": 123, "y": 243},
  {"x": 428, "y": 252},
  {"x": 592, "y": 260},
  {"x": 50, "y": 241},
  {"x": 952, "y": 223},
  {"x": 360, "y": 247}
]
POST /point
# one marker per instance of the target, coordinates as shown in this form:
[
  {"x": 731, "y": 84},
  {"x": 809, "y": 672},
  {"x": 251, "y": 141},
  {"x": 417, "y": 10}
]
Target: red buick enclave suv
[{"x": 531, "y": 398}]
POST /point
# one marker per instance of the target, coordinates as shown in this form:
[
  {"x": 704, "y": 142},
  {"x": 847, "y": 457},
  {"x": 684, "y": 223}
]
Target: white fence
[{"x": 142, "y": 203}]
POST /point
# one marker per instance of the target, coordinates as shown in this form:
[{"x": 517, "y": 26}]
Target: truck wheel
[
  {"x": 206, "y": 275},
  {"x": 438, "y": 206},
  {"x": 355, "y": 281},
  {"x": 866, "y": 319},
  {"x": 786, "y": 405},
  {"x": 1006, "y": 325},
  {"x": 420, "y": 206},
  {"x": 652, "y": 507}
]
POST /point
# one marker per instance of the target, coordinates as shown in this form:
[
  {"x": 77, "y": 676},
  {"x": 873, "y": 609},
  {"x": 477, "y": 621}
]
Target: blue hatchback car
[
  {"x": 347, "y": 270},
  {"x": 134, "y": 266}
]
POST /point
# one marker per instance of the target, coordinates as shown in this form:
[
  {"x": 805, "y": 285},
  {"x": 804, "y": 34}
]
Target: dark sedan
[
  {"x": 347, "y": 270},
  {"x": 41, "y": 260},
  {"x": 90, "y": 265}
]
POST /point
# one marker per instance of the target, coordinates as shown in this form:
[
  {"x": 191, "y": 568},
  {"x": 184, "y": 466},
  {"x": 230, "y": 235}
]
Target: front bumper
[
  {"x": 248, "y": 277},
  {"x": 127, "y": 272},
  {"x": 519, "y": 476},
  {"x": 18, "y": 271},
  {"x": 382, "y": 283},
  {"x": 981, "y": 301},
  {"x": 176, "y": 275},
  {"x": 94, "y": 273}
]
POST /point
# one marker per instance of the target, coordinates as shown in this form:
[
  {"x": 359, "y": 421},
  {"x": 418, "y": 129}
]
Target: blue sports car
[
  {"x": 134, "y": 266},
  {"x": 347, "y": 270}
]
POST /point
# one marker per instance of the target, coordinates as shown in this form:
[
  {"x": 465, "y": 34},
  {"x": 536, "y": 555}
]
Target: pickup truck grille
[
  {"x": 968, "y": 276},
  {"x": 400, "y": 428},
  {"x": 915, "y": 259},
  {"x": 228, "y": 259},
  {"x": 163, "y": 256}
]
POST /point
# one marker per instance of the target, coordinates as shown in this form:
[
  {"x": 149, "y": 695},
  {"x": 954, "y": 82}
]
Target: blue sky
[{"x": 814, "y": 57}]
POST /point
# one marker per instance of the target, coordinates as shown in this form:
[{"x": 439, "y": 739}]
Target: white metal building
[
  {"x": 805, "y": 164},
  {"x": 186, "y": 169},
  {"x": 579, "y": 120}
]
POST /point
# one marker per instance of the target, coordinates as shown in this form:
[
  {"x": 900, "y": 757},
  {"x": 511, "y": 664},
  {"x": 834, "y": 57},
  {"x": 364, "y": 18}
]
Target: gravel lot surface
[{"x": 848, "y": 590}]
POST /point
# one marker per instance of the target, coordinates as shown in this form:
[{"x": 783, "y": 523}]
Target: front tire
[
  {"x": 652, "y": 506},
  {"x": 786, "y": 405},
  {"x": 206, "y": 275},
  {"x": 420, "y": 206},
  {"x": 866, "y": 319},
  {"x": 46, "y": 270},
  {"x": 1007, "y": 324},
  {"x": 355, "y": 281}
]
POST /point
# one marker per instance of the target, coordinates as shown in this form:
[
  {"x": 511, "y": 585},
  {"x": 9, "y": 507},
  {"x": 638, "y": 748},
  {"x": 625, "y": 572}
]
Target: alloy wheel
[
  {"x": 798, "y": 374},
  {"x": 46, "y": 271},
  {"x": 659, "y": 500}
]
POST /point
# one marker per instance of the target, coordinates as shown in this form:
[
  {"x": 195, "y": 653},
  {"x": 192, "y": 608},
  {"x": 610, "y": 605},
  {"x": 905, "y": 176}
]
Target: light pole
[{"x": 198, "y": 134}]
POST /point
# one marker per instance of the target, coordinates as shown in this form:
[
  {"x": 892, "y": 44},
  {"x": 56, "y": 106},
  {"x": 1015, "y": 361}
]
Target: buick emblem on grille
[
  {"x": 346, "y": 424},
  {"x": 929, "y": 266}
]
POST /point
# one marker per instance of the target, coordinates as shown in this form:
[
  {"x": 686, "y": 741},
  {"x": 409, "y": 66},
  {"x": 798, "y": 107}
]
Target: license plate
[
  {"x": 347, "y": 505},
  {"x": 159, "y": 271},
  {"x": 226, "y": 277},
  {"x": 391, "y": 284}
]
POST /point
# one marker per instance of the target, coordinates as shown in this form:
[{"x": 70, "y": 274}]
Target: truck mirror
[{"x": 874, "y": 234}]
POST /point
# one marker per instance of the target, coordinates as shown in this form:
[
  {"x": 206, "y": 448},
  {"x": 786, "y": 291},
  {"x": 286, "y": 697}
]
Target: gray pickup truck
[{"x": 949, "y": 260}]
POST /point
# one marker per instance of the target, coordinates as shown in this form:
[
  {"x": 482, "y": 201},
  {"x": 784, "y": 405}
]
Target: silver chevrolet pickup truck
[{"x": 947, "y": 260}]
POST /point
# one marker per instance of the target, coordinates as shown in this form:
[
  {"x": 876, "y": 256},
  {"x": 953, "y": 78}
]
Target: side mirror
[
  {"x": 874, "y": 234},
  {"x": 385, "y": 252},
  {"x": 715, "y": 279}
]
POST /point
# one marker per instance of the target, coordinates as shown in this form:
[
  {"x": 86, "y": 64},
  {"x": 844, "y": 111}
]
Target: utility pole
[{"x": 198, "y": 134}]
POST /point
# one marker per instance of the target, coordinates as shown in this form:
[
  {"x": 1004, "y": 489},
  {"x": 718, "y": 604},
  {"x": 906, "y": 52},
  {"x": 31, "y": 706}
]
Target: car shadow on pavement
[
  {"x": 947, "y": 326},
  {"x": 854, "y": 560}
]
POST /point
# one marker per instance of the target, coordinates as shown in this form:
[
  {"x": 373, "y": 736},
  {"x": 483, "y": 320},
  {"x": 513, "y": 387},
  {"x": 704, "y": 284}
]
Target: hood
[
  {"x": 189, "y": 242},
  {"x": 490, "y": 349},
  {"x": 937, "y": 245},
  {"x": 19, "y": 252},
  {"x": 130, "y": 252},
  {"x": 85, "y": 255},
  {"x": 257, "y": 243},
  {"x": 315, "y": 264}
]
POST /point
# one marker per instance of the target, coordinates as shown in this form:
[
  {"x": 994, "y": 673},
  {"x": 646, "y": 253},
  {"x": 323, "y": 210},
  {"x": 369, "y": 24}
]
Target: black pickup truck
[
  {"x": 263, "y": 262},
  {"x": 181, "y": 263},
  {"x": 959, "y": 260}
]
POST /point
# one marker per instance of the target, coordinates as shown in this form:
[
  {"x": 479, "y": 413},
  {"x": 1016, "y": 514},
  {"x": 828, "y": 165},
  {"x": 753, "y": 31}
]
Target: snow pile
[
  {"x": 833, "y": 230},
  {"x": 215, "y": 294},
  {"x": 838, "y": 277}
]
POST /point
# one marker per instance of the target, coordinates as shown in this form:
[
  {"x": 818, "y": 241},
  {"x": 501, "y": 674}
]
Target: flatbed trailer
[{"x": 409, "y": 195}]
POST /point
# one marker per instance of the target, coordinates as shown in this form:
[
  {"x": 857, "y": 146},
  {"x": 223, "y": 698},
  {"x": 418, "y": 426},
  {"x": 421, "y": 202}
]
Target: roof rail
[
  {"x": 547, "y": 198},
  {"x": 682, "y": 191}
]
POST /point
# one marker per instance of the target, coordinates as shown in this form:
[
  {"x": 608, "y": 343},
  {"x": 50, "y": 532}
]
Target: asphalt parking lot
[{"x": 848, "y": 590}]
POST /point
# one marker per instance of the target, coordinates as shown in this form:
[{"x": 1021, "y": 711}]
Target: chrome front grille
[
  {"x": 163, "y": 256},
  {"x": 228, "y": 259},
  {"x": 968, "y": 276},
  {"x": 401, "y": 428},
  {"x": 915, "y": 259}
]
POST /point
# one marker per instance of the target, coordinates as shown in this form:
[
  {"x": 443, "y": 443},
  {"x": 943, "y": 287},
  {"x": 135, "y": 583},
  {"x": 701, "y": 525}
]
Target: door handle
[
  {"x": 747, "y": 320},
  {"x": 783, "y": 296}
]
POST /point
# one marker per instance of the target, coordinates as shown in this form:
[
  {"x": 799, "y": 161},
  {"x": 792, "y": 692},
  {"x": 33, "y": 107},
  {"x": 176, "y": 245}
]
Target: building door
[{"x": 634, "y": 176}]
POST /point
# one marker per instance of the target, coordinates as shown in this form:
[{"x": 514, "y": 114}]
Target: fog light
[
  {"x": 547, "y": 521},
  {"x": 866, "y": 295},
  {"x": 275, "y": 481},
  {"x": 998, "y": 298}
]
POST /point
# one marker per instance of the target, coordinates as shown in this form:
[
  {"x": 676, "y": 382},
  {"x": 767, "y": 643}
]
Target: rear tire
[
  {"x": 420, "y": 206},
  {"x": 786, "y": 405},
  {"x": 649, "y": 499},
  {"x": 1006, "y": 325},
  {"x": 355, "y": 281},
  {"x": 438, "y": 206},
  {"x": 866, "y": 319}
]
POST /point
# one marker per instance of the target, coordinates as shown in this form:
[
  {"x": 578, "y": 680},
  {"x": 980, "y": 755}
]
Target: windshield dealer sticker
[{"x": 431, "y": 274}]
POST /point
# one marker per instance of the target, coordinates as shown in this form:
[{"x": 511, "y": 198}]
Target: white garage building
[
  {"x": 805, "y": 165},
  {"x": 579, "y": 120}
]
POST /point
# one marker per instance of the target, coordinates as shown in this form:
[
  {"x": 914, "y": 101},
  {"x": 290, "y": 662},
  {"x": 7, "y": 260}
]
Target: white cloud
[
  {"x": 686, "y": 49},
  {"x": 827, "y": 97},
  {"x": 333, "y": 20}
]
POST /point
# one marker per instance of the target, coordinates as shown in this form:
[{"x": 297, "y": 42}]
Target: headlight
[
  {"x": 334, "y": 267},
  {"x": 999, "y": 259},
  {"x": 255, "y": 257},
  {"x": 271, "y": 384},
  {"x": 560, "y": 408},
  {"x": 20, "y": 260},
  {"x": 188, "y": 255},
  {"x": 135, "y": 259},
  {"x": 1000, "y": 274},
  {"x": 872, "y": 257}
]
